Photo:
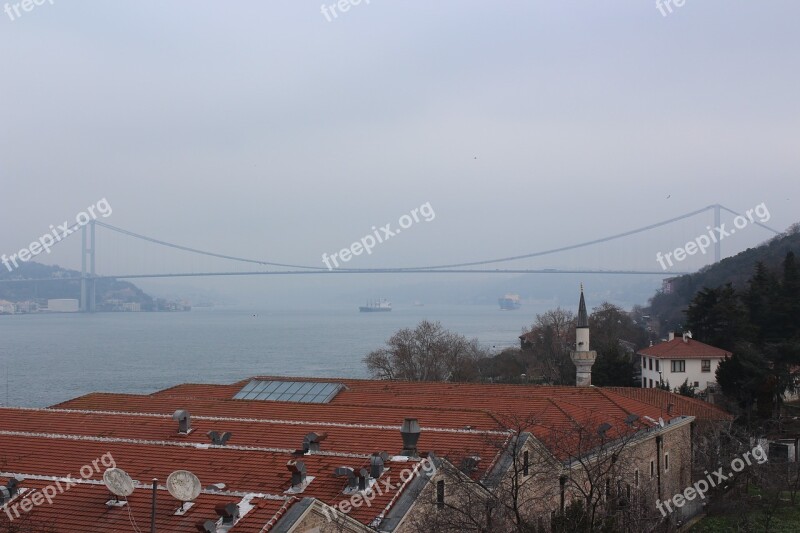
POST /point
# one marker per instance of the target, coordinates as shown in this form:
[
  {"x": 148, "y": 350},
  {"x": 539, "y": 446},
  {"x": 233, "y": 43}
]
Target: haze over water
[{"x": 49, "y": 358}]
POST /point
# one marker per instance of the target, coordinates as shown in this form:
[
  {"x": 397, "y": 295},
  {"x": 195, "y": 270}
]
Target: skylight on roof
[{"x": 289, "y": 391}]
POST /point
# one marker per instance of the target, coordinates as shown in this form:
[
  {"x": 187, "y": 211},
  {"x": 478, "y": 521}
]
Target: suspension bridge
[{"x": 89, "y": 274}]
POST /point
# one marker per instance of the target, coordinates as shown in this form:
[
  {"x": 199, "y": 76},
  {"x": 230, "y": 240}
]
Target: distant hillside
[
  {"x": 20, "y": 291},
  {"x": 669, "y": 308}
]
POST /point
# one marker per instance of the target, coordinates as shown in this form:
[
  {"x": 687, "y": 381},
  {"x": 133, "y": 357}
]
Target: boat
[
  {"x": 509, "y": 302},
  {"x": 376, "y": 306}
]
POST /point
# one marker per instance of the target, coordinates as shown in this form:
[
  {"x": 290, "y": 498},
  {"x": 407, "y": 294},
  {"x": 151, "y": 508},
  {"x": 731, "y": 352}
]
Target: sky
[{"x": 271, "y": 131}]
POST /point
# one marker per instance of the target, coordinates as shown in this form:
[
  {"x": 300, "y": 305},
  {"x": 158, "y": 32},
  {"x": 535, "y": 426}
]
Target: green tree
[
  {"x": 717, "y": 317},
  {"x": 686, "y": 390}
]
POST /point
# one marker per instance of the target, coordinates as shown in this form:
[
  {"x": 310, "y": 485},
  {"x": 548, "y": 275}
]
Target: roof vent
[
  {"x": 686, "y": 336},
  {"x": 206, "y": 526},
  {"x": 470, "y": 464},
  {"x": 604, "y": 427},
  {"x": 10, "y": 490},
  {"x": 184, "y": 421},
  {"x": 631, "y": 418},
  {"x": 217, "y": 439},
  {"x": 671, "y": 335},
  {"x": 311, "y": 442},
  {"x": 377, "y": 464},
  {"x": 298, "y": 470},
  {"x": 346, "y": 471},
  {"x": 410, "y": 432},
  {"x": 229, "y": 513},
  {"x": 363, "y": 479}
]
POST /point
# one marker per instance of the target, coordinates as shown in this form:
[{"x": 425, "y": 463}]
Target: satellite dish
[
  {"x": 118, "y": 481},
  {"x": 184, "y": 486}
]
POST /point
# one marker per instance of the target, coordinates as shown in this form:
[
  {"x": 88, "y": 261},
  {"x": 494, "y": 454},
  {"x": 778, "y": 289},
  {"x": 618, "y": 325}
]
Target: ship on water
[
  {"x": 509, "y": 302},
  {"x": 376, "y": 306}
]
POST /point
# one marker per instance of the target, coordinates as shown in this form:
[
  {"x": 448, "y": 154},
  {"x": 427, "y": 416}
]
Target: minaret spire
[
  {"x": 583, "y": 357},
  {"x": 583, "y": 316}
]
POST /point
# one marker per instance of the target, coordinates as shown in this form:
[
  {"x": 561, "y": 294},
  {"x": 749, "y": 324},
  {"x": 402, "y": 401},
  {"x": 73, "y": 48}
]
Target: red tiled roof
[
  {"x": 242, "y": 471},
  {"x": 83, "y": 507},
  {"x": 677, "y": 348},
  {"x": 682, "y": 405},
  {"x": 458, "y": 420}
]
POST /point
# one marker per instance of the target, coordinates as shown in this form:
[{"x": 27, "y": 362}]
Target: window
[
  {"x": 440, "y": 493},
  {"x": 705, "y": 365},
  {"x": 697, "y": 384},
  {"x": 644, "y": 383},
  {"x": 651, "y": 383},
  {"x": 651, "y": 363},
  {"x": 657, "y": 369},
  {"x": 525, "y": 464},
  {"x": 652, "y": 469},
  {"x": 636, "y": 478},
  {"x": 679, "y": 365},
  {"x": 666, "y": 462}
]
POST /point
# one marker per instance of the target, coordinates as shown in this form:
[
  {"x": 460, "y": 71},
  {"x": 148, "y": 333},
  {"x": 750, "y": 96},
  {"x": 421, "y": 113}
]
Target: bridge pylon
[{"x": 88, "y": 279}]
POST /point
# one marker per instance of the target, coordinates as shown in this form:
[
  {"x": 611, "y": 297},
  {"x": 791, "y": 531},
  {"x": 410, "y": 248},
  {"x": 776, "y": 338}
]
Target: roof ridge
[{"x": 275, "y": 421}]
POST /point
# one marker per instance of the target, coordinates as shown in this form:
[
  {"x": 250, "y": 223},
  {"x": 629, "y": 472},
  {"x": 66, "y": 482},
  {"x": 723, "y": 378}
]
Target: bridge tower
[{"x": 88, "y": 281}]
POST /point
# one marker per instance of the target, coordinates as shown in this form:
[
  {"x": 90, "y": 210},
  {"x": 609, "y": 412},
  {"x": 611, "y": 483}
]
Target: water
[{"x": 49, "y": 358}]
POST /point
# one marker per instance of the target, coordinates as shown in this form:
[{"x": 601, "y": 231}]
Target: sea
[{"x": 49, "y": 358}]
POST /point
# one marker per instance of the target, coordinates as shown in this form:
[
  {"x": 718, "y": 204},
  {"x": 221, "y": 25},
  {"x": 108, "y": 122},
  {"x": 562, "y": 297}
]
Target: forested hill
[
  {"x": 62, "y": 288},
  {"x": 669, "y": 308}
]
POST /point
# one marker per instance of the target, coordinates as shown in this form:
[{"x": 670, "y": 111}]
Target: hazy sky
[{"x": 263, "y": 130}]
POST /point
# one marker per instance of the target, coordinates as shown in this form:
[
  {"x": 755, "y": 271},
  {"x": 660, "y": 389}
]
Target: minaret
[{"x": 582, "y": 356}]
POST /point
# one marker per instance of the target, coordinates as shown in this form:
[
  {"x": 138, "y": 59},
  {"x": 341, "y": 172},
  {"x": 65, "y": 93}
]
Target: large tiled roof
[
  {"x": 678, "y": 348},
  {"x": 457, "y": 420}
]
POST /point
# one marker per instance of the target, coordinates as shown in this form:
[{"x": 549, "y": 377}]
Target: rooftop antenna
[
  {"x": 184, "y": 487},
  {"x": 120, "y": 484}
]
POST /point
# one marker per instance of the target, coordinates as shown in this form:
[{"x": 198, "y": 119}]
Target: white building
[
  {"x": 63, "y": 306},
  {"x": 6, "y": 307},
  {"x": 681, "y": 359}
]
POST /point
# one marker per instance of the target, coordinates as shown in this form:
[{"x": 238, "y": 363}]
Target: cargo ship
[
  {"x": 376, "y": 306},
  {"x": 509, "y": 302}
]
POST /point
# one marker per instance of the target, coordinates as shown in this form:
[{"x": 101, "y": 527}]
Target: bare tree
[{"x": 426, "y": 353}]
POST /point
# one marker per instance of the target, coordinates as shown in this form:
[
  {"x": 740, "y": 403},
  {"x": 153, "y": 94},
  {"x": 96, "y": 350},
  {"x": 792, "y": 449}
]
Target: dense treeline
[{"x": 760, "y": 325}]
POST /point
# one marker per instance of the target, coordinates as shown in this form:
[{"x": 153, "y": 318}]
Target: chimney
[
  {"x": 686, "y": 336},
  {"x": 671, "y": 336},
  {"x": 311, "y": 442},
  {"x": 410, "y": 432},
  {"x": 298, "y": 470},
  {"x": 363, "y": 479},
  {"x": 582, "y": 356},
  {"x": 229, "y": 513},
  {"x": 376, "y": 464},
  {"x": 184, "y": 421}
]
